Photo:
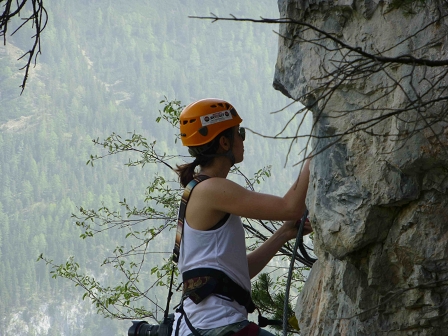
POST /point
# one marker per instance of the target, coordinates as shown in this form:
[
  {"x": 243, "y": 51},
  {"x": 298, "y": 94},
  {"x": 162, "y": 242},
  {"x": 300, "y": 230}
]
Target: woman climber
[{"x": 211, "y": 241}]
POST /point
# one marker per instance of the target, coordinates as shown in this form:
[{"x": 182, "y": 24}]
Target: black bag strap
[
  {"x": 187, "y": 321},
  {"x": 181, "y": 217}
]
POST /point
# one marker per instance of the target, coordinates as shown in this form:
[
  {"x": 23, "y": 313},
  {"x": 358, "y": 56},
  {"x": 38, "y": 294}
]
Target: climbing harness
[{"x": 199, "y": 283}]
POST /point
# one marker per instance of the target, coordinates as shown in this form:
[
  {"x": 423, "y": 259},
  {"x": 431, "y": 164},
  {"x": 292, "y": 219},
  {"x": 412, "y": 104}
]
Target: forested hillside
[{"x": 105, "y": 67}]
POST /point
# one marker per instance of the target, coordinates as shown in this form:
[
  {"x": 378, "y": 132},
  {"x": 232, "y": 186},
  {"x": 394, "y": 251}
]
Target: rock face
[{"x": 378, "y": 195}]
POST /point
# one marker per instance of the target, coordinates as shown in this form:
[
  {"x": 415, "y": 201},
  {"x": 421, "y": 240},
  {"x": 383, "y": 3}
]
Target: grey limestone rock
[{"x": 377, "y": 197}]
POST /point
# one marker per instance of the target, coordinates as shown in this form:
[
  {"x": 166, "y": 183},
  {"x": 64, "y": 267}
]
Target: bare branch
[
  {"x": 37, "y": 19},
  {"x": 401, "y": 59}
]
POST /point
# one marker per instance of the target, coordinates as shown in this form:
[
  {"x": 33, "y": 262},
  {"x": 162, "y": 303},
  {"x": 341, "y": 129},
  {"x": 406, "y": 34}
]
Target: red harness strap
[{"x": 250, "y": 330}]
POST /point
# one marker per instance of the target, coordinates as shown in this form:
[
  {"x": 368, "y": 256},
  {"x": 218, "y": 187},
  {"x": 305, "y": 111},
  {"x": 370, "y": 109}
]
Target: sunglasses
[{"x": 242, "y": 133}]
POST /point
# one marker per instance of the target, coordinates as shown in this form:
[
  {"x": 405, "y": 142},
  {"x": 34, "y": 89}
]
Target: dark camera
[{"x": 143, "y": 328}]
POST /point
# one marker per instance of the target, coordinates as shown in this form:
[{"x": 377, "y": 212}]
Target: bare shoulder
[
  {"x": 217, "y": 187},
  {"x": 218, "y": 183},
  {"x": 205, "y": 205}
]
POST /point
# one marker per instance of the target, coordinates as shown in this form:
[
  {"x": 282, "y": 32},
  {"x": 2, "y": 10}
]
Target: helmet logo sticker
[{"x": 216, "y": 117}]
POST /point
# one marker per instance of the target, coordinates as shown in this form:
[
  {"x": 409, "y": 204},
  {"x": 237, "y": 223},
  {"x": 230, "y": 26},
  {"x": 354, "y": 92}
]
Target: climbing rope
[{"x": 307, "y": 260}]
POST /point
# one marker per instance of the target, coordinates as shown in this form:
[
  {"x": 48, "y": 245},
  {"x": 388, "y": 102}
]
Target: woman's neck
[{"x": 220, "y": 167}]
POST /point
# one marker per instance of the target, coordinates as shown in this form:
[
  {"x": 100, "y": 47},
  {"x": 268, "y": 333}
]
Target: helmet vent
[
  {"x": 192, "y": 120},
  {"x": 185, "y": 122}
]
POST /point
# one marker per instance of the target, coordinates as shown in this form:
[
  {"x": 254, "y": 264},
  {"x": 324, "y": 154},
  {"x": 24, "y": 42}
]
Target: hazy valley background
[{"x": 105, "y": 67}]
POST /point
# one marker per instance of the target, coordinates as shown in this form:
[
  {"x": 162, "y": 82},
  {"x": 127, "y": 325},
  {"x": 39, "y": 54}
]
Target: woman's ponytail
[{"x": 186, "y": 172}]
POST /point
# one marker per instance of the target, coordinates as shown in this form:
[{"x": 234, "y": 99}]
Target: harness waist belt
[{"x": 199, "y": 283}]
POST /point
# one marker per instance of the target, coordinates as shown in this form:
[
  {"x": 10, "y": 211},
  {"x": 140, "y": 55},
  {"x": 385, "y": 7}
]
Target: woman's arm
[
  {"x": 259, "y": 258},
  {"x": 222, "y": 195}
]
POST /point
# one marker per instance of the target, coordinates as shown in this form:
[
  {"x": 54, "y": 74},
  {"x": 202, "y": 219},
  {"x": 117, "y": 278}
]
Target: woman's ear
[{"x": 224, "y": 143}]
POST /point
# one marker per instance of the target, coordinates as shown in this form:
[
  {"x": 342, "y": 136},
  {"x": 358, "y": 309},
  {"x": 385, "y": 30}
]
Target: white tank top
[{"x": 223, "y": 249}]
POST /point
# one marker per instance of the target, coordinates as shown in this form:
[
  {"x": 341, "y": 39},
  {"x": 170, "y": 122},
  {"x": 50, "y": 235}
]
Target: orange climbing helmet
[{"x": 202, "y": 121}]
